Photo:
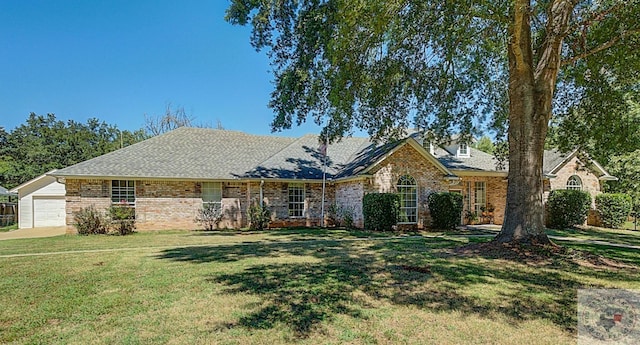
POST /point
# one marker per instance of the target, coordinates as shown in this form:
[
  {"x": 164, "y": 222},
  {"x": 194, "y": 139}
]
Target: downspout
[{"x": 261, "y": 195}]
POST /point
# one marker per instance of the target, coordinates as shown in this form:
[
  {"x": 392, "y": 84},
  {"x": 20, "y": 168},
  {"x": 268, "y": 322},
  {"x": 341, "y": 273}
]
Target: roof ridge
[{"x": 280, "y": 150}]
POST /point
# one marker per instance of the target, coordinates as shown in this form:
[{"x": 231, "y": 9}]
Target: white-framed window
[
  {"x": 211, "y": 194},
  {"x": 463, "y": 150},
  {"x": 123, "y": 192},
  {"x": 480, "y": 201},
  {"x": 432, "y": 149},
  {"x": 574, "y": 182},
  {"x": 296, "y": 200},
  {"x": 408, "y": 192}
]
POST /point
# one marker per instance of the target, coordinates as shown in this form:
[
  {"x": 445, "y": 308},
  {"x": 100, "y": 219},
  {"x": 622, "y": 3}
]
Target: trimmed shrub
[
  {"x": 259, "y": 217},
  {"x": 347, "y": 217},
  {"x": 446, "y": 209},
  {"x": 88, "y": 221},
  {"x": 209, "y": 216},
  {"x": 613, "y": 208},
  {"x": 123, "y": 218},
  {"x": 567, "y": 208},
  {"x": 381, "y": 211}
]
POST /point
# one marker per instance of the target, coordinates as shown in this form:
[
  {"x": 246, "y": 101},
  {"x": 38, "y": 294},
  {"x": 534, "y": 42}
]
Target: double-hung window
[
  {"x": 463, "y": 150},
  {"x": 123, "y": 192},
  {"x": 212, "y": 194},
  {"x": 296, "y": 200}
]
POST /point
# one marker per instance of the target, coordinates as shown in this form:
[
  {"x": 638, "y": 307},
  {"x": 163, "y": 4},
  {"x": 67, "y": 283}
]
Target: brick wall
[
  {"x": 276, "y": 197},
  {"x": 174, "y": 204},
  {"x": 590, "y": 181},
  {"x": 408, "y": 161},
  {"x": 349, "y": 195}
]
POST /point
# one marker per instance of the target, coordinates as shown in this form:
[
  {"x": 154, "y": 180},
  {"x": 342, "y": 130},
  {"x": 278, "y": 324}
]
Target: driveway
[{"x": 34, "y": 232}]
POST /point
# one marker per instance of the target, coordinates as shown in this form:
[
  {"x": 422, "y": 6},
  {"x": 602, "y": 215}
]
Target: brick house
[{"x": 169, "y": 177}]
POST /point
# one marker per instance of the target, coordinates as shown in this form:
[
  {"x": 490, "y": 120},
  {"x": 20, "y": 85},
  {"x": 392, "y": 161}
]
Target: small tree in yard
[
  {"x": 210, "y": 216},
  {"x": 259, "y": 217},
  {"x": 613, "y": 209},
  {"x": 123, "y": 218}
]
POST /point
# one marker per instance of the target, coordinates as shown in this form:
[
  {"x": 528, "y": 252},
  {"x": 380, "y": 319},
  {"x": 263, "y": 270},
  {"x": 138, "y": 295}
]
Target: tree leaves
[{"x": 44, "y": 143}]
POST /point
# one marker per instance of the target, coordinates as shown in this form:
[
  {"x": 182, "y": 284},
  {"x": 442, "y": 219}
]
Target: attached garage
[
  {"x": 48, "y": 211},
  {"x": 41, "y": 203}
]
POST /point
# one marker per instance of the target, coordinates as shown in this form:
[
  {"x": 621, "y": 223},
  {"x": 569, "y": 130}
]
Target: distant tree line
[{"x": 44, "y": 143}]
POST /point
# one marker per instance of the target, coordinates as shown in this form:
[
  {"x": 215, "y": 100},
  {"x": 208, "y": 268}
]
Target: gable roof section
[
  {"x": 303, "y": 160},
  {"x": 373, "y": 155},
  {"x": 16, "y": 190},
  {"x": 555, "y": 160}
]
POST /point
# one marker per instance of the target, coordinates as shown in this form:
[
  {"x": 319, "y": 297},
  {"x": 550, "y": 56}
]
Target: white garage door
[{"x": 48, "y": 212}]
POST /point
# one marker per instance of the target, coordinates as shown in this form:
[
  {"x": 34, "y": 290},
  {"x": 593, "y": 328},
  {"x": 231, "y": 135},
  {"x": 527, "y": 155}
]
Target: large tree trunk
[{"x": 531, "y": 89}]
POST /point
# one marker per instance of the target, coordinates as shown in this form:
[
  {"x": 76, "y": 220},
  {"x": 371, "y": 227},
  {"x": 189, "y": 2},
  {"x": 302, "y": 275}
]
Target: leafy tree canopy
[
  {"x": 484, "y": 144},
  {"x": 387, "y": 65},
  {"x": 44, "y": 143},
  {"x": 384, "y": 65}
]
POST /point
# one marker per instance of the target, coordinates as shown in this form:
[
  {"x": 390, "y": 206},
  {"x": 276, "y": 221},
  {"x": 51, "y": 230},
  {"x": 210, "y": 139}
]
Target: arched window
[
  {"x": 408, "y": 192},
  {"x": 574, "y": 182}
]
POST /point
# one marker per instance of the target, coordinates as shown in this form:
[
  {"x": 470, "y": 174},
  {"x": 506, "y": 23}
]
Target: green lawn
[
  {"x": 280, "y": 287},
  {"x": 618, "y": 236}
]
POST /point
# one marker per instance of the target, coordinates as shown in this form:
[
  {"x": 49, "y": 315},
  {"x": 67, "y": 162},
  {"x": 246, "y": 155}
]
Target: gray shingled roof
[
  {"x": 478, "y": 160},
  {"x": 198, "y": 153},
  {"x": 192, "y": 153},
  {"x": 551, "y": 160},
  {"x": 302, "y": 159}
]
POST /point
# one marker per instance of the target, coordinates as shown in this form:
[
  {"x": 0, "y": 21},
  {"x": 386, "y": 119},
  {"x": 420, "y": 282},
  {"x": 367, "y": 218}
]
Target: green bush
[
  {"x": 567, "y": 208},
  {"x": 338, "y": 215},
  {"x": 381, "y": 211},
  {"x": 88, "y": 221},
  {"x": 613, "y": 209},
  {"x": 123, "y": 218},
  {"x": 259, "y": 217},
  {"x": 446, "y": 209}
]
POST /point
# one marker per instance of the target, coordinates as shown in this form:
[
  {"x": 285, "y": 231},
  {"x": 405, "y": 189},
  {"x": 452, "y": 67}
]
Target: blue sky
[{"x": 118, "y": 60}]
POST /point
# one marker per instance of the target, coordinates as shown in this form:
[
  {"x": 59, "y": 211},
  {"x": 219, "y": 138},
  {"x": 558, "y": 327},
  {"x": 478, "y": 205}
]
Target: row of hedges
[{"x": 567, "y": 208}]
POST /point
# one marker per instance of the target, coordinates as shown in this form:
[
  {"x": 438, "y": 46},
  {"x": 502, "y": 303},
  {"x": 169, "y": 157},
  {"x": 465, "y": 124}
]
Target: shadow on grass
[
  {"x": 345, "y": 278},
  {"x": 302, "y": 234},
  {"x": 609, "y": 235}
]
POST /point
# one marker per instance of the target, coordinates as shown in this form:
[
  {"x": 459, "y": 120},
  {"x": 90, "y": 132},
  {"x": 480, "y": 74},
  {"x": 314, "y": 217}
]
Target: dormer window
[
  {"x": 463, "y": 150},
  {"x": 432, "y": 149}
]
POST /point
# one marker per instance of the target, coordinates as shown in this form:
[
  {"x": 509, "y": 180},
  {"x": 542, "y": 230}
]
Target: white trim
[
  {"x": 36, "y": 179},
  {"x": 459, "y": 151}
]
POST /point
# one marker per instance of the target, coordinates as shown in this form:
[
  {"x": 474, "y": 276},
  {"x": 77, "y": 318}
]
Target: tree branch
[
  {"x": 599, "y": 48},
  {"x": 595, "y": 17}
]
